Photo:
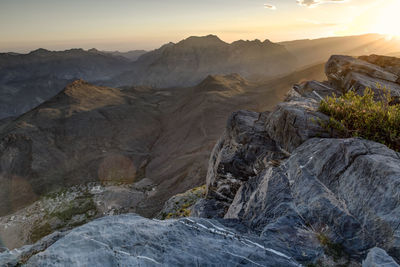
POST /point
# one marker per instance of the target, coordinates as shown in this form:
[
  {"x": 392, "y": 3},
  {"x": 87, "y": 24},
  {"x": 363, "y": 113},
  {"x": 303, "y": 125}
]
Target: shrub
[{"x": 368, "y": 116}]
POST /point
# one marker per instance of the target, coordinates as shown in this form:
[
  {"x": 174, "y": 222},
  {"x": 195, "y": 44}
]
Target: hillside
[
  {"x": 27, "y": 80},
  {"x": 160, "y": 139},
  {"x": 191, "y": 60}
]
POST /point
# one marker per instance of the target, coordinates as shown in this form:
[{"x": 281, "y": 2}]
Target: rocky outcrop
[
  {"x": 349, "y": 73},
  {"x": 130, "y": 240},
  {"x": 243, "y": 151},
  {"x": 328, "y": 201}
]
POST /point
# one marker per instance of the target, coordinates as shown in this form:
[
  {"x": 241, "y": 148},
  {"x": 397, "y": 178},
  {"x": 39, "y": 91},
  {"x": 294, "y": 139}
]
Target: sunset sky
[{"x": 146, "y": 24}]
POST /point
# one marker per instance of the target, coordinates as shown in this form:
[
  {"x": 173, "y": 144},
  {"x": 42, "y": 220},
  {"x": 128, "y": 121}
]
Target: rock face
[
  {"x": 119, "y": 241},
  {"x": 327, "y": 200},
  {"x": 350, "y": 73}
]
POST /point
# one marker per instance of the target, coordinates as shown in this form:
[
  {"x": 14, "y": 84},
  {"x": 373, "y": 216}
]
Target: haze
[{"x": 126, "y": 25}]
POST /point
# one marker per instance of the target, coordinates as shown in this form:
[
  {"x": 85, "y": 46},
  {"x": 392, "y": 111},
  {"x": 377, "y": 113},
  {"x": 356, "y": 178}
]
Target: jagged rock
[
  {"x": 243, "y": 151},
  {"x": 390, "y": 64},
  {"x": 318, "y": 190},
  {"x": 297, "y": 119},
  {"x": 348, "y": 73},
  {"x": 339, "y": 67},
  {"x": 129, "y": 240},
  {"x": 293, "y": 122},
  {"x": 312, "y": 89},
  {"x": 358, "y": 180},
  {"x": 377, "y": 257}
]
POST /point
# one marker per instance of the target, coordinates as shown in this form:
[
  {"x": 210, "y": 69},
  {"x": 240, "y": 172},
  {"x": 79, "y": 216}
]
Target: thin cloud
[
  {"x": 313, "y": 3},
  {"x": 272, "y": 7}
]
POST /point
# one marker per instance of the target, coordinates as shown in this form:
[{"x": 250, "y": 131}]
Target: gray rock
[
  {"x": 348, "y": 73},
  {"x": 130, "y": 240},
  {"x": 16, "y": 257},
  {"x": 390, "y": 64},
  {"x": 316, "y": 194},
  {"x": 293, "y": 122},
  {"x": 338, "y": 67},
  {"x": 377, "y": 257},
  {"x": 243, "y": 151},
  {"x": 358, "y": 181}
]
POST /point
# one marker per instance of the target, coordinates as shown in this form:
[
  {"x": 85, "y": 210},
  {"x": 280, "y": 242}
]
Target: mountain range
[{"x": 26, "y": 80}]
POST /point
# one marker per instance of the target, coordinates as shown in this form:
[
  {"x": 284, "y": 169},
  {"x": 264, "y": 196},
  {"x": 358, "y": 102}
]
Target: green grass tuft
[{"x": 354, "y": 115}]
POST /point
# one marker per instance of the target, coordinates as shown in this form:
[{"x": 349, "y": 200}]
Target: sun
[{"x": 387, "y": 20}]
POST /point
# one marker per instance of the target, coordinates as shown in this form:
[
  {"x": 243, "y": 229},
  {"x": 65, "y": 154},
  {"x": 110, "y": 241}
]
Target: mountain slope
[
  {"x": 191, "y": 60},
  {"x": 94, "y": 134},
  {"x": 26, "y": 80}
]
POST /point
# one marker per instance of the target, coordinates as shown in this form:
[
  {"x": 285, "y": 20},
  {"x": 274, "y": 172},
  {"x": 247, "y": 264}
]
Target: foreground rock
[
  {"x": 328, "y": 201},
  {"x": 130, "y": 240}
]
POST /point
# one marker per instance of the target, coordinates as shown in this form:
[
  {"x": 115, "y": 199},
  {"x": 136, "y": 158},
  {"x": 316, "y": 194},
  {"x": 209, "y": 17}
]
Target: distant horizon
[
  {"x": 123, "y": 25},
  {"x": 88, "y": 47}
]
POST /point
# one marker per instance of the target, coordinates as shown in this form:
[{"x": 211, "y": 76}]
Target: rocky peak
[
  {"x": 40, "y": 52},
  {"x": 202, "y": 41}
]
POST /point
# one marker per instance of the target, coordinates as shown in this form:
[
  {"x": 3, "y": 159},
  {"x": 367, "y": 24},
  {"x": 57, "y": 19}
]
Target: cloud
[
  {"x": 313, "y": 3},
  {"x": 272, "y": 7}
]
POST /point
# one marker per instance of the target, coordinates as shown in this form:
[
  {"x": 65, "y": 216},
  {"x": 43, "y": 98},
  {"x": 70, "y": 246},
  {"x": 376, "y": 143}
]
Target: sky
[{"x": 125, "y": 25}]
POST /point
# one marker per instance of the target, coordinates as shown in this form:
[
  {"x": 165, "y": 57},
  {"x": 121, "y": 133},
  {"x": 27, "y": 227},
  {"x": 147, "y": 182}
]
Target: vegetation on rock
[
  {"x": 180, "y": 205},
  {"x": 370, "y": 116}
]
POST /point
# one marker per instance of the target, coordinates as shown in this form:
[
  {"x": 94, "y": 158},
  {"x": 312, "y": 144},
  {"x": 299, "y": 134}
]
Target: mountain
[
  {"x": 282, "y": 189},
  {"x": 27, "y": 80},
  {"x": 191, "y": 60},
  {"x": 132, "y": 55}
]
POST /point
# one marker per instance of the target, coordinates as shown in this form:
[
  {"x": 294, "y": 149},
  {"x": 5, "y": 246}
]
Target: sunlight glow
[{"x": 388, "y": 19}]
